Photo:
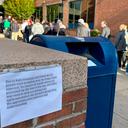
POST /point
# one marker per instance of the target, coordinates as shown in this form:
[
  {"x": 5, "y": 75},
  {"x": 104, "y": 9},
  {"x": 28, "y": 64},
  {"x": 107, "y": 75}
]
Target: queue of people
[
  {"x": 10, "y": 28},
  {"x": 120, "y": 41},
  {"x": 29, "y": 30}
]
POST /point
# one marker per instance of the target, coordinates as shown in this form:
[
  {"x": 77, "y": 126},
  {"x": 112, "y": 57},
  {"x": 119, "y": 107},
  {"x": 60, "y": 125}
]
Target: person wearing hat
[
  {"x": 81, "y": 29},
  {"x": 61, "y": 29}
]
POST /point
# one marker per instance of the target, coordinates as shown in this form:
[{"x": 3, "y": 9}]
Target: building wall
[
  {"x": 113, "y": 11},
  {"x": 51, "y": 2},
  {"x": 38, "y": 3},
  {"x": 74, "y": 75}
]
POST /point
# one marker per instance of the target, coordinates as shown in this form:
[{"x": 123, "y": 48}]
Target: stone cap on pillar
[{"x": 16, "y": 54}]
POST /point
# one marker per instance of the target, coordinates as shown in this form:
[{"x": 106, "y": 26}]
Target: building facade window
[
  {"x": 54, "y": 12},
  {"x": 38, "y": 13},
  {"x": 74, "y": 13},
  {"x": 88, "y": 12},
  {"x": 81, "y": 9}
]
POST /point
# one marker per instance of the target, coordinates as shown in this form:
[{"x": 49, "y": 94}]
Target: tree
[{"x": 20, "y": 9}]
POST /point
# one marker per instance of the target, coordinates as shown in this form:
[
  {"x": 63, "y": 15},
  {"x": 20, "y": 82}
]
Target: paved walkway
[{"x": 120, "y": 117}]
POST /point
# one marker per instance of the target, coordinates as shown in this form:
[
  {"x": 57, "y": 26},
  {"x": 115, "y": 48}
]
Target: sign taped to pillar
[{"x": 29, "y": 94}]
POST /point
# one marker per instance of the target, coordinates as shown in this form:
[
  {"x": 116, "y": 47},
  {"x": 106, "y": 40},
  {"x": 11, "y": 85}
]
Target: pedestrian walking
[{"x": 105, "y": 29}]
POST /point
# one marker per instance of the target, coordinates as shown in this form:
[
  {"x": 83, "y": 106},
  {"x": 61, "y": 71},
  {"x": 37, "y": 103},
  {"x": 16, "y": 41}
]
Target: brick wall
[
  {"x": 66, "y": 12},
  {"x": 74, "y": 74},
  {"x": 73, "y": 113},
  {"x": 51, "y": 2},
  {"x": 38, "y": 3},
  {"x": 113, "y": 11},
  {"x": 72, "y": 32}
]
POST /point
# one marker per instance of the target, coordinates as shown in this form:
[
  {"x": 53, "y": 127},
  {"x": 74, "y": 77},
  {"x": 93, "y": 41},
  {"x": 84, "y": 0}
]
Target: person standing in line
[
  {"x": 7, "y": 24},
  {"x": 14, "y": 29},
  {"x": 87, "y": 30},
  {"x": 37, "y": 28},
  {"x": 126, "y": 34},
  {"x": 120, "y": 43},
  {"x": 125, "y": 56},
  {"x": 55, "y": 27},
  {"x": 46, "y": 27},
  {"x": 23, "y": 25},
  {"x": 28, "y": 32},
  {"x": 81, "y": 30},
  {"x": 62, "y": 28},
  {"x": 7, "y": 28},
  {"x": 1, "y": 24},
  {"x": 105, "y": 29}
]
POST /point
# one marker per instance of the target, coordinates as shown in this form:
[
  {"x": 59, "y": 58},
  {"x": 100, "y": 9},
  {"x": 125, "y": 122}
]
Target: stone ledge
[{"x": 16, "y": 54}]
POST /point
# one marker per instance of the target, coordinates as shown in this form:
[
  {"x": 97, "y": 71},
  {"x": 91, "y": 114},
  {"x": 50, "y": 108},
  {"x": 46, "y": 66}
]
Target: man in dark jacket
[
  {"x": 28, "y": 32},
  {"x": 120, "y": 43}
]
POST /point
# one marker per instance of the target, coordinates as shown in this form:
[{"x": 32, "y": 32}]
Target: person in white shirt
[
  {"x": 61, "y": 29},
  {"x": 37, "y": 28}
]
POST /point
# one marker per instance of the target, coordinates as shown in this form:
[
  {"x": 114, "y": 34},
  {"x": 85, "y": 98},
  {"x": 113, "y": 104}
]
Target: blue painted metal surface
[{"x": 101, "y": 77}]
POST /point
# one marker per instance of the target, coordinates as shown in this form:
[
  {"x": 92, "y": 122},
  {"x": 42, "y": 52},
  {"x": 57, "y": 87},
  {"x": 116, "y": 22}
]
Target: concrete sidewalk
[{"x": 120, "y": 117}]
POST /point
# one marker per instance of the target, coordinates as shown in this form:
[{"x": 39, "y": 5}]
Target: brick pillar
[
  {"x": 44, "y": 10},
  {"x": 65, "y": 12},
  {"x": 74, "y": 72}
]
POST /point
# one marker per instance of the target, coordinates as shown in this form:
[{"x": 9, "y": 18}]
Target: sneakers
[{"x": 123, "y": 69}]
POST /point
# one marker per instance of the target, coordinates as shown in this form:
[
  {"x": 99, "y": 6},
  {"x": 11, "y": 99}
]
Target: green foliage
[
  {"x": 95, "y": 32},
  {"x": 20, "y": 9}
]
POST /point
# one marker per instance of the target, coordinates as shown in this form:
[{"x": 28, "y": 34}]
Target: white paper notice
[{"x": 28, "y": 94}]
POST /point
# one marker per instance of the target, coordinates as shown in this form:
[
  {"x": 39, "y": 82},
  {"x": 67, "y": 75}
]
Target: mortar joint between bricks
[{"x": 73, "y": 107}]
